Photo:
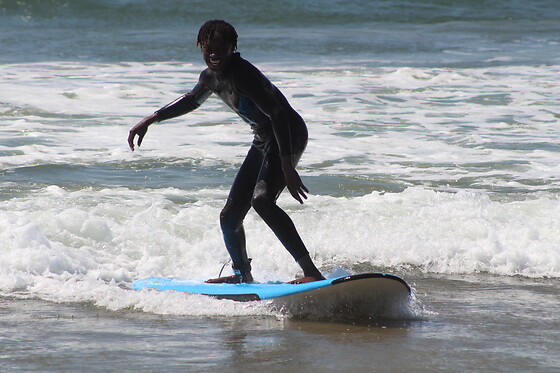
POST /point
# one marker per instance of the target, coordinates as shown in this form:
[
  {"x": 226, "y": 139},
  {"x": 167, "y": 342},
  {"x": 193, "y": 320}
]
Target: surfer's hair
[{"x": 217, "y": 26}]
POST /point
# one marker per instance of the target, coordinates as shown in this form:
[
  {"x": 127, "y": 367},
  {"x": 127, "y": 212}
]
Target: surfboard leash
[{"x": 224, "y": 266}]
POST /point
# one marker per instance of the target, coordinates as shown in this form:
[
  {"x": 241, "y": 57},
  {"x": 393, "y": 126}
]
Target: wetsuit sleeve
[
  {"x": 280, "y": 121},
  {"x": 184, "y": 104}
]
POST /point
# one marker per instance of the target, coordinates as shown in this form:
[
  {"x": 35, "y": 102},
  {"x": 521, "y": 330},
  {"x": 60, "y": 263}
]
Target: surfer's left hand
[{"x": 293, "y": 181}]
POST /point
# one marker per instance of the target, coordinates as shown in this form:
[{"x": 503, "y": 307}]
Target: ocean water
[{"x": 433, "y": 155}]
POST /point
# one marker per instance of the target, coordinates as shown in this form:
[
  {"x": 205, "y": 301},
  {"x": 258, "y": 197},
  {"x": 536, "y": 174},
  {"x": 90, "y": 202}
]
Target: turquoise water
[{"x": 433, "y": 155}]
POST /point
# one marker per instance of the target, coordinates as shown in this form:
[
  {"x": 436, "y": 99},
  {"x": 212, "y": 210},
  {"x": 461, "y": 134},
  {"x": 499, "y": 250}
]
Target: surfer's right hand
[{"x": 140, "y": 129}]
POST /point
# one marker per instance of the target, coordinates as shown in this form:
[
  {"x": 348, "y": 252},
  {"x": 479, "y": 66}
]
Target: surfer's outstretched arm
[{"x": 183, "y": 105}]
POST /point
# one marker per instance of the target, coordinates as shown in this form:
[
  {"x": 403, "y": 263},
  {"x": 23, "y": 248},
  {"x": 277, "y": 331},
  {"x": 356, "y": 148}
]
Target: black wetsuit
[{"x": 278, "y": 131}]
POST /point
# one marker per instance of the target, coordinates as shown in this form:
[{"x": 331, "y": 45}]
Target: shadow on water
[{"x": 304, "y": 345}]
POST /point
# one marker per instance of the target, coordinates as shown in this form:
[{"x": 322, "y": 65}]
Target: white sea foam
[
  {"x": 88, "y": 245},
  {"x": 417, "y": 125}
]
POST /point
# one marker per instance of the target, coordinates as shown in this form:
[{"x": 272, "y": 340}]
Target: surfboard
[{"x": 367, "y": 294}]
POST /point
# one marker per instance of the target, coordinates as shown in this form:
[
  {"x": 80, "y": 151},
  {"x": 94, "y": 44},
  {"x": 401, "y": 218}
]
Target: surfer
[{"x": 280, "y": 137}]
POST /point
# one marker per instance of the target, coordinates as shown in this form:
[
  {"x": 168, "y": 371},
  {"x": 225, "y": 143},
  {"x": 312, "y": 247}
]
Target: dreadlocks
[{"x": 217, "y": 26}]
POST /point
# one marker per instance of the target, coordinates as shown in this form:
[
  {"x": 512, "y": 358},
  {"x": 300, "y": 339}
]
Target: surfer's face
[{"x": 216, "y": 53}]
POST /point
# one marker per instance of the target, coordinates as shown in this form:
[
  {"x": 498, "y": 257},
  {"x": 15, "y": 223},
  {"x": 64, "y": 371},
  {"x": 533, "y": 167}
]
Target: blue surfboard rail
[{"x": 254, "y": 291}]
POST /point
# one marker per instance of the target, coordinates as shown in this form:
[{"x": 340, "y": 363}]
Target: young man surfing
[{"x": 280, "y": 137}]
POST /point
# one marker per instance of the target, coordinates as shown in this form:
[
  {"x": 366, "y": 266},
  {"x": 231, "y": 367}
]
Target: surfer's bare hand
[
  {"x": 140, "y": 130},
  {"x": 293, "y": 181}
]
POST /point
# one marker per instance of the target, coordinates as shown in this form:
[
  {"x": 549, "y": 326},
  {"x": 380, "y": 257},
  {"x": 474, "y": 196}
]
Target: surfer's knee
[{"x": 261, "y": 201}]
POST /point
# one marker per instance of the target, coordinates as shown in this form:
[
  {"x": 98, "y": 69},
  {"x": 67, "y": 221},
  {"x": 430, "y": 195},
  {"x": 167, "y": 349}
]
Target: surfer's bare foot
[
  {"x": 233, "y": 279},
  {"x": 225, "y": 280},
  {"x": 304, "y": 280}
]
